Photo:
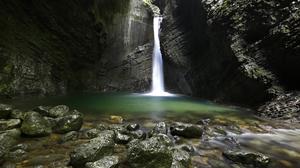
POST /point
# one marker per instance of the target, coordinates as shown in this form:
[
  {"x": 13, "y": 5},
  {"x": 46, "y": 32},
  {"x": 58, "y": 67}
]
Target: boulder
[
  {"x": 58, "y": 111},
  {"x": 9, "y": 124},
  {"x": 257, "y": 160},
  {"x": 186, "y": 130},
  {"x": 5, "y": 110},
  {"x": 149, "y": 153},
  {"x": 35, "y": 125},
  {"x": 43, "y": 110},
  {"x": 105, "y": 162},
  {"x": 95, "y": 149},
  {"x": 181, "y": 158},
  {"x": 7, "y": 140},
  {"x": 122, "y": 138},
  {"x": 70, "y": 136},
  {"x": 17, "y": 114},
  {"x": 68, "y": 123},
  {"x": 133, "y": 127},
  {"x": 160, "y": 128}
]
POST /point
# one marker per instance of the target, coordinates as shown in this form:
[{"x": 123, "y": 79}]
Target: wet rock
[
  {"x": 93, "y": 150},
  {"x": 105, "y": 162},
  {"x": 35, "y": 125},
  {"x": 7, "y": 140},
  {"x": 256, "y": 159},
  {"x": 122, "y": 138},
  {"x": 160, "y": 128},
  {"x": 52, "y": 122},
  {"x": 116, "y": 119},
  {"x": 16, "y": 155},
  {"x": 17, "y": 114},
  {"x": 133, "y": 127},
  {"x": 5, "y": 110},
  {"x": 181, "y": 158},
  {"x": 91, "y": 133},
  {"x": 70, "y": 136},
  {"x": 204, "y": 122},
  {"x": 186, "y": 130},
  {"x": 68, "y": 123},
  {"x": 285, "y": 106},
  {"x": 152, "y": 152},
  {"x": 188, "y": 148},
  {"x": 9, "y": 124},
  {"x": 58, "y": 111},
  {"x": 139, "y": 134},
  {"x": 43, "y": 110},
  {"x": 101, "y": 127}
]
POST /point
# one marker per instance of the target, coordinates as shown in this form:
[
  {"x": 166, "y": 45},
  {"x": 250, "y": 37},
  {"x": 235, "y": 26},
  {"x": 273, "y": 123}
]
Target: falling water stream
[{"x": 158, "y": 88}]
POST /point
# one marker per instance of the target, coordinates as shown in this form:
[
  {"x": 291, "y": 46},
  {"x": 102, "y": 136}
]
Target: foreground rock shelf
[{"x": 61, "y": 137}]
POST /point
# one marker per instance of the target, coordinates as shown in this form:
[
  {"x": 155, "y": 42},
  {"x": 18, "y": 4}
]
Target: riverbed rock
[
  {"x": 285, "y": 107},
  {"x": 91, "y": 133},
  {"x": 116, "y": 119},
  {"x": 43, "y": 110},
  {"x": 95, "y": 149},
  {"x": 181, "y": 158},
  {"x": 186, "y": 130},
  {"x": 5, "y": 110},
  {"x": 9, "y": 124},
  {"x": 248, "y": 158},
  {"x": 58, "y": 111},
  {"x": 70, "y": 136},
  {"x": 152, "y": 152},
  {"x": 133, "y": 127},
  {"x": 105, "y": 162},
  {"x": 17, "y": 114},
  {"x": 160, "y": 128},
  {"x": 35, "y": 125},
  {"x": 68, "y": 123},
  {"x": 122, "y": 138},
  {"x": 7, "y": 140}
]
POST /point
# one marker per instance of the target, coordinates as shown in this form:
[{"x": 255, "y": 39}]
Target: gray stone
[
  {"x": 91, "y": 133},
  {"x": 181, "y": 158},
  {"x": 249, "y": 158},
  {"x": 122, "y": 138},
  {"x": 160, "y": 128},
  {"x": 43, "y": 110},
  {"x": 17, "y": 114},
  {"x": 133, "y": 127},
  {"x": 149, "y": 153},
  {"x": 105, "y": 162},
  {"x": 93, "y": 150},
  {"x": 9, "y": 124},
  {"x": 68, "y": 123},
  {"x": 7, "y": 140},
  {"x": 35, "y": 125},
  {"x": 5, "y": 110},
  {"x": 70, "y": 136},
  {"x": 186, "y": 130},
  {"x": 58, "y": 111}
]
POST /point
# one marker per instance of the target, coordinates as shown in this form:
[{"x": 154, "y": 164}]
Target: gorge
[{"x": 234, "y": 65}]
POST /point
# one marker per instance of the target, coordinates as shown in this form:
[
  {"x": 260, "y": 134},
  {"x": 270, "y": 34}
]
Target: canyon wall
[
  {"x": 54, "y": 47},
  {"x": 242, "y": 52}
]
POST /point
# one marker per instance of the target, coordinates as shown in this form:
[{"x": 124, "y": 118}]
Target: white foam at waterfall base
[{"x": 158, "y": 88}]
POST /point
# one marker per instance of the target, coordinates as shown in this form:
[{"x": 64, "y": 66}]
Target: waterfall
[{"x": 158, "y": 88}]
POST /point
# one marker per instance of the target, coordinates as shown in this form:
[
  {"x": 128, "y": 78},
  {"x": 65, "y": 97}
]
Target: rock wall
[
  {"x": 54, "y": 47},
  {"x": 242, "y": 52}
]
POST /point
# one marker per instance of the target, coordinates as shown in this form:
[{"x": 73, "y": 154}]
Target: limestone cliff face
[
  {"x": 51, "y": 47},
  {"x": 244, "y": 52}
]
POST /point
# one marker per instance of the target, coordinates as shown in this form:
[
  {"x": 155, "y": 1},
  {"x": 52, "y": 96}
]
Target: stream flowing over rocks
[{"x": 100, "y": 143}]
